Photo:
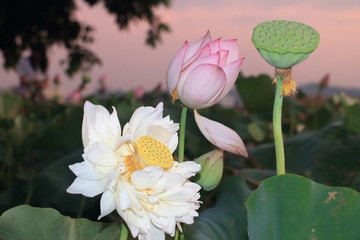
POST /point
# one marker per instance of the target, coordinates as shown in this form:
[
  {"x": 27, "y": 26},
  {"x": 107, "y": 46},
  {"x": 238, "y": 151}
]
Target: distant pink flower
[
  {"x": 75, "y": 96},
  {"x": 324, "y": 82},
  {"x": 103, "y": 79},
  {"x": 57, "y": 80},
  {"x": 202, "y": 73},
  {"x": 139, "y": 92}
]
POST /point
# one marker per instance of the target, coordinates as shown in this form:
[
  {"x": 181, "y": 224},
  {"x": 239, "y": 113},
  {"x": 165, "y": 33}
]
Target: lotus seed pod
[{"x": 283, "y": 43}]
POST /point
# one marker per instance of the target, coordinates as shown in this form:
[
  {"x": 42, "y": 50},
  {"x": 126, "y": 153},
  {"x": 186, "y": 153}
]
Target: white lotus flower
[{"x": 135, "y": 172}]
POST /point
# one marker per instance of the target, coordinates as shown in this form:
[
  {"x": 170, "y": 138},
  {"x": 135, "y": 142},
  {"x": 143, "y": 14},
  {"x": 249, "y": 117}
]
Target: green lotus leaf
[
  {"x": 29, "y": 223},
  {"x": 296, "y": 208}
]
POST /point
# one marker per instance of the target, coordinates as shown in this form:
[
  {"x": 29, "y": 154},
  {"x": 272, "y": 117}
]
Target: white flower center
[{"x": 146, "y": 151}]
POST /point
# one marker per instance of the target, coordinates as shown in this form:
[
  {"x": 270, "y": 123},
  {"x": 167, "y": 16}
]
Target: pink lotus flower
[
  {"x": 202, "y": 73},
  {"x": 75, "y": 97},
  {"x": 139, "y": 92}
]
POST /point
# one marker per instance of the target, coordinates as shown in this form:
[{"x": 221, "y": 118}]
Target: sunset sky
[{"x": 129, "y": 63}]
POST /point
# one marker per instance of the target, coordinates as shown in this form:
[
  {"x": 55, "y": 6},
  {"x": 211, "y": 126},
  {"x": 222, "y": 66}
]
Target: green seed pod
[
  {"x": 212, "y": 164},
  {"x": 283, "y": 43}
]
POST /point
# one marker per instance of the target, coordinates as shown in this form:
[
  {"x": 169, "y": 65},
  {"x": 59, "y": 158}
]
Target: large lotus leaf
[
  {"x": 10, "y": 105},
  {"x": 257, "y": 93},
  {"x": 296, "y": 208},
  {"x": 227, "y": 219},
  {"x": 352, "y": 119},
  {"x": 65, "y": 131},
  {"x": 49, "y": 188},
  {"x": 29, "y": 223},
  {"x": 254, "y": 176}
]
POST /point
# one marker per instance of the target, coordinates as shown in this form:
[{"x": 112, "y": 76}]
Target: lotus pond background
[
  {"x": 322, "y": 143},
  {"x": 318, "y": 198}
]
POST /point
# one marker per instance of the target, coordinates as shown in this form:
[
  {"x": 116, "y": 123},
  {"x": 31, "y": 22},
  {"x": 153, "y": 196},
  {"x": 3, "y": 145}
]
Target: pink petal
[
  {"x": 233, "y": 48},
  {"x": 220, "y": 135},
  {"x": 204, "y": 51},
  {"x": 194, "y": 47},
  {"x": 173, "y": 72},
  {"x": 224, "y": 54},
  {"x": 231, "y": 71},
  {"x": 203, "y": 84},
  {"x": 209, "y": 59},
  {"x": 215, "y": 45}
]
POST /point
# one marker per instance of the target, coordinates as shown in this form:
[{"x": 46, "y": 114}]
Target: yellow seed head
[{"x": 153, "y": 153}]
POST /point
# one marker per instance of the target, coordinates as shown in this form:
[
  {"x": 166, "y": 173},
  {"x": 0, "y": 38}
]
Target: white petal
[
  {"x": 124, "y": 199},
  {"x": 220, "y": 135},
  {"x": 143, "y": 180},
  {"x": 134, "y": 228},
  {"x": 87, "y": 188},
  {"x": 102, "y": 155},
  {"x": 157, "y": 233},
  {"x": 141, "y": 119},
  {"x": 159, "y": 133},
  {"x": 115, "y": 123},
  {"x": 86, "y": 170},
  {"x": 107, "y": 203},
  {"x": 99, "y": 126},
  {"x": 186, "y": 169}
]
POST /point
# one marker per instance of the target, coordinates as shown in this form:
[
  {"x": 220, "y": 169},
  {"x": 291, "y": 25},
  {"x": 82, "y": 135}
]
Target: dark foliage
[{"x": 28, "y": 24}]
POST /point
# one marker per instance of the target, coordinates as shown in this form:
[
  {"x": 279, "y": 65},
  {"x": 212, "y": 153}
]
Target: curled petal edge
[{"x": 220, "y": 135}]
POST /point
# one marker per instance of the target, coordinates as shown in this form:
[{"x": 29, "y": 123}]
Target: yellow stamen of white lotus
[{"x": 153, "y": 153}]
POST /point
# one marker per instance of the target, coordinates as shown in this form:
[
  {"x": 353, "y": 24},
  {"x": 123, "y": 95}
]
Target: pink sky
[{"x": 129, "y": 63}]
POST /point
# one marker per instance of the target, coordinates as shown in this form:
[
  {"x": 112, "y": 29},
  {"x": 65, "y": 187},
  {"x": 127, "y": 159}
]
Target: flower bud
[
  {"x": 324, "y": 82},
  {"x": 212, "y": 164},
  {"x": 202, "y": 73}
]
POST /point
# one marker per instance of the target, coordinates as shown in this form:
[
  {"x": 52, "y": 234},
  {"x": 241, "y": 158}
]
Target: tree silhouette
[{"x": 27, "y": 24}]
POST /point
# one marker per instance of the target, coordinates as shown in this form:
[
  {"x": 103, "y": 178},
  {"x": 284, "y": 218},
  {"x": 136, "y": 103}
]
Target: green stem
[
  {"x": 182, "y": 235},
  {"x": 124, "y": 232},
  {"x": 177, "y": 233},
  {"x": 278, "y": 138},
  {"x": 182, "y": 134},
  {"x": 315, "y": 108},
  {"x": 184, "y": 110},
  {"x": 29, "y": 194},
  {"x": 81, "y": 207}
]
